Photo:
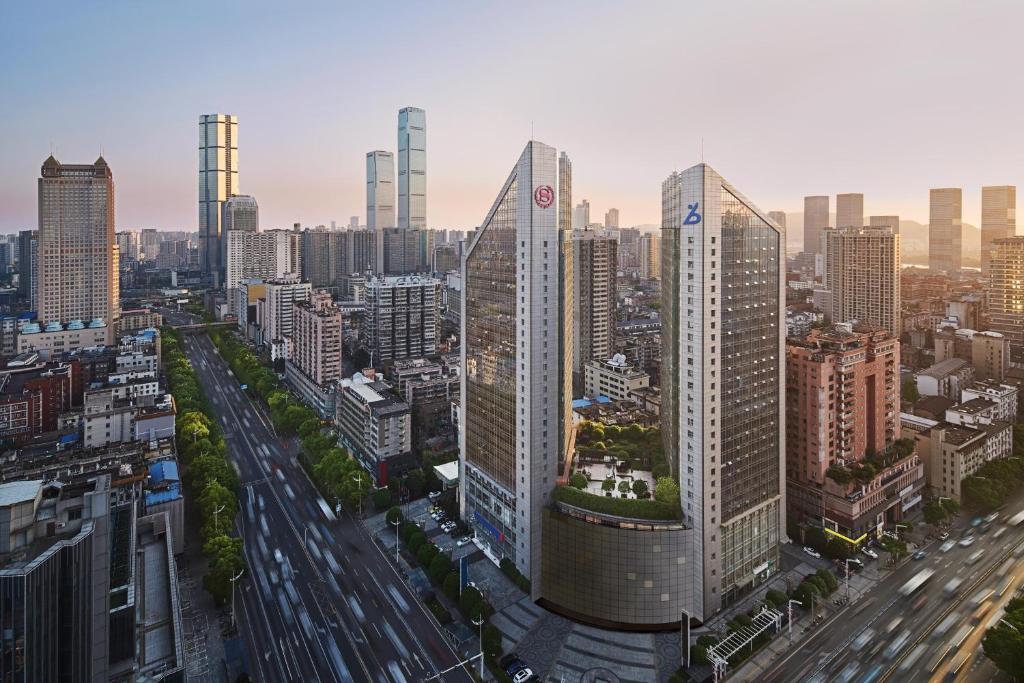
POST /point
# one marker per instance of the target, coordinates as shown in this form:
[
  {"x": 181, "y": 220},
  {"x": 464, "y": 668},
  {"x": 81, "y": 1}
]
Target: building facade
[
  {"x": 509, "y": 436},
  {"x": 945, "y": 229},
  {"x": 218, "y": 180},
  {"x": 998, "y": 218},
  {"x": 723, "y": 413},
  {"x": 614, "y": 378},
  {"x": 650, "y": 256},
  {"x": 380, "y": 190},
  {"x": 862, "y": 273},
  {"x": 77, "y": 259},
  {"x": 402, "y": 318},
  {"x": 891, "y": 222},
  {"x": 595, "y": 264},
  {"x": 1006, "y": 289},
  {"x": 240, "y": 212},
  {"x": 816, "y": 219},
  {"x": 376, "y": 426},
  {"x": 412, "y": 168},
  {"x": 282, "y": 295}
]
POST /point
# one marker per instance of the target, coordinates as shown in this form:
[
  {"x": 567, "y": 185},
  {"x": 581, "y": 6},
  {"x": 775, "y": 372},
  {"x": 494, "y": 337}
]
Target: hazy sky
[{"x": 790, "y": 98}]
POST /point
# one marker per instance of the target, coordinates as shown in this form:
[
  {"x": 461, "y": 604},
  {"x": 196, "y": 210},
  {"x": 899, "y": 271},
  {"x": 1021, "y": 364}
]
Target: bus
[
  {"x": 918, "y": 580},
  {"x": 982, "y": 610}
]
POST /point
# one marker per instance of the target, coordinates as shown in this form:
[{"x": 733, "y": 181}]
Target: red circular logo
[{"x": 544, "y": 196}]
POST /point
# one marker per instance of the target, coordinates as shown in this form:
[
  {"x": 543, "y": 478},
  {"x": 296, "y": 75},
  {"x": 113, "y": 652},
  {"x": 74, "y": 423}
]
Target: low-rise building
[
  {"x": 137, "y": 319},
  {"x": 615, "y": 378},
  {"x": 946, "y": 378},
  {"x": 1003, "y": 395},
  {"x": 376, "y": 427},
  {"x": 55, "y": 338}
]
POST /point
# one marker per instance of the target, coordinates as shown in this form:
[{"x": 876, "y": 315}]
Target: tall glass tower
[
  {"x": 218, "y": 180},
  {"x": 723, "y": 407},
  {"x": 412, "y": 168},
  {"x": 511, "y": 390}
]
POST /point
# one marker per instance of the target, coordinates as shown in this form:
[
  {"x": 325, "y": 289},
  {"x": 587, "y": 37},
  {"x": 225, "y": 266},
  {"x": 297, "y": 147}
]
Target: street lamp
[
  {"x": 789, "y": 610},
  {"x": 358, "y": 477},
  {"x": 216, "y": 519},
  {"x": 396, "y": 524},
  {"x": 847, "y": 562},
  {"x": 1004, "y": 621},
  {"x": 480, "y": 625},
  {"x": 233, "y": 579}
]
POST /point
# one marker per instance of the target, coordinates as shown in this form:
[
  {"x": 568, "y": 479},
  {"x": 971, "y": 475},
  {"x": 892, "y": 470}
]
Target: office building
[
  {"x": 375, "y": 426},
  {"x": 779, "y": 217},
  {"x": 28, "y": 253},
  {"x": 402, "y": 318},
  {"x": 447, "y": 258},
  {"x": 816, "y": 219},
  {"x": 842, "y": 405},
  {"x": 945, "y": 230},
  {"x": 241, "y": 212},
  {"x": 862, "y": 272},
  {"x": 566, "y": 301},
  {"x": 650, "y": 256},
  {"x": 892, "y": 222},
  {"x": 1006, "y": 289},
  {"x": 380, "y": 190},
  {"x": 595, "y": 263},
  {"x": 412, "y": 168},
  {"x": 849, "y": 210},
  {"x": 614, "y": 377},
  {"x": 281, "y": 296},
  {"x": 509, "y": 444},
  {"x": 611, "y": 219},
  {"x": 218, "y": 180},
  {"x": 723, "y": 421},
  {"x": 581, "y": 216},
  {"x": 998, "y": 218},
  {"x": 77, "y": 256}
]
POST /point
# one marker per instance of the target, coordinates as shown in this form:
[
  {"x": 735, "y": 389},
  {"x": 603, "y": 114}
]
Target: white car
[
  {"x": 465, "y": 540},
  {"x": 966, "y": 541},
  {"x": 947, "y": 546},
  {"x": 812, "y": 552},
  {"x": 870, "y": 553}
]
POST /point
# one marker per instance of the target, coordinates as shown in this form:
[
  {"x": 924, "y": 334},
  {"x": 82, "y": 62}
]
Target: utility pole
[
  {"x": 396, "y": 524},
  {"x": 216, "y": 519},
  {"x": 847, "y": 580},
  {"x": 789, "y": 609},
  {"x": 233, "y": 579},
  {"x": 358, "y": 477},
  {"x": 480, "y": 624}
]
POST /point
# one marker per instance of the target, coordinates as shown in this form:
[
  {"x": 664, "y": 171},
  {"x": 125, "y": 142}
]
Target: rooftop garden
[
  {"x": 867, "y": 469},
  {"x": 664, "y": 505}
]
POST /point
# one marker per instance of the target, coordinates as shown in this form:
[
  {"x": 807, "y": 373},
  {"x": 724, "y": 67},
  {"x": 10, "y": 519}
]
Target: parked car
[
  {"x": 870, "y": 553},
  {"x": 516, "y": 668},
  {"x": 811, "y": 551},
  {"x": 465, "y": 540}
]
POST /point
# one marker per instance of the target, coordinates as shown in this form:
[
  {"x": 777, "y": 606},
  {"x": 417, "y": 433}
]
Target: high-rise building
[
  {"x": 77, "y": 273},
  {"x": 1006, "y": 290},
  {"x": 323, "y": 254},
  {"x": 28, "y": 251},
  {"x": 509, "y": 449},
  {"x": 128, "y": 245},
  {"x": 842, "y": 407},
  {"x": 779, "y": 217},
  {"x": 412, "y": 168},
  {"x": 862, "y": 274},
  {"x": 282, "y": 295},
  {"x": 316, "y": 339},
  {"x": 998, "y": 218},
  {"x": 403, "y": 316},
  {"x": 581, "y": 215},
  {"x": 360, "y": 251},
  {"x": 259, "y": 255},
  {"x": 816, "y": 219},
  {"x": 849, "y": 210},
  {"x": 218, "y": 180},
  {"x": 353, "y": 223},
  {"x": 240, "y": 212},
  {"x": 650, "y": 256},
  {"x": 723, "y": 421},
  {"x": 945, "y": 230},
  {"x": 149, "y": 243},
  {"x": 611, "y": 219},
  {"x": 595, "y": 263},
  {"x": 567, "y": 303},
  {"x": 380, "y": 190},
  {"x": 404, "y": 252},
  {"x": 892, "y": 222}
]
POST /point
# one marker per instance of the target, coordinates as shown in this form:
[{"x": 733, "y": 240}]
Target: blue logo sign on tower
[{"x": 693, "y": 217}]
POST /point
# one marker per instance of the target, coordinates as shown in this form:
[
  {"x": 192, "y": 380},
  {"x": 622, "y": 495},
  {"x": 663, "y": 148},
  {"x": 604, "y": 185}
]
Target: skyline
[{"x": 784, "y": 131}]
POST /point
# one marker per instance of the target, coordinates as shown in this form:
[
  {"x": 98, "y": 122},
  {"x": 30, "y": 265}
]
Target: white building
[
  {"x": 412, "y": 168},
  {"x": 240, "y": 212},
  {"x": 510, "y": 394},
  {"x": 614, "y": 378},
  {"x": 218, "y": 180},
  {"x": 380, "y": 191},
  {"x": 402, "y": 317},
  {"x": 723, "y": 393},
  {"x": 259, "y": 256},
  {"x": 375, "y": 426},
  {"x": 281, "y": 297},
  {"x": 1003, "y": 395}
]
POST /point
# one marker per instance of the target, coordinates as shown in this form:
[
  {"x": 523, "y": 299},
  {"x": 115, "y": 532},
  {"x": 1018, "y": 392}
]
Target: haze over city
[{"x": 789, "y": 99}]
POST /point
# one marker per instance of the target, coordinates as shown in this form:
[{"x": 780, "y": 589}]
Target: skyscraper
[
  {"x": 998, "y": 218},
  {"x": 611, "y": 219},
  {"x": 1006, "y": 291},
  {"x": 650, "y": 256},
  {"x": 723, "y": 420},
  {"x": 509, "y": 446},
  {"x": 567, "y": 300},
  {"x": 945, "y": 231},
  {"x": 862, "y": 272},
  {"x": 403, "y": 318},
  {"x": 816, "y": 219},
  {"x": 240, "y": 212},
  {"x": 849, "y": 210},
  {"x": 581, "y": 215},
  {"x": 380, "y": 190},
  {"x": 595, "y": 263},
  {"x": 28, "y": 249},
  {"x": 412, "y": 168},
  {"x": 77, "y": 264},
  {"x": 892, "y": 222},
  {"x": 779, "y": 217},
  {"x": 218, "y": 180}
]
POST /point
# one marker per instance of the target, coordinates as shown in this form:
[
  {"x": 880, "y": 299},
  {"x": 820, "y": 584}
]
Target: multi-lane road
[
  {"x": 319, "y": 601},
  {"x": 889, "y": 636}
]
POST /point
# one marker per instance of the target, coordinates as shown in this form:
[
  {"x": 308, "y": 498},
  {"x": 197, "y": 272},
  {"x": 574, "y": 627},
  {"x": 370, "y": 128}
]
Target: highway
[
  {"x": 887, "y": 636},
  {"x": 319, "y": 601}
]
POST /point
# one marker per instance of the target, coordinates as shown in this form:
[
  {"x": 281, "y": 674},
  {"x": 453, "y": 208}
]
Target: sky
[{"x": 785, "y": 99}]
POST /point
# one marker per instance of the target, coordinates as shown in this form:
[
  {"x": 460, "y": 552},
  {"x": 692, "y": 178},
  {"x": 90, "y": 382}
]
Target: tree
[
  {"x": 910, "y": 392},
  {"x": 666, "y": 490},
  {"x": 217, "y": 508},
  {"x": 608, "y": 484},
  {"x": 416, "y": 541},
  {"x": 393, "y": 515},
  {"x": 439, "y": 568},
  {"x": 776, "y": 598},
  {"x": 934, "y": 513},
  {"x": 450, "y": 587},
  {"x": 623, "y": 487},
  {"x": 416, "y": 482},
  {"x": 224, "y": 565},
  {"x": 471, "y": 603},
  {"x": 639, "y": 488},
  {"x": 381, "y": 498},
  {"x": 206, "y": 468},
  {"x": 1004, "y": 644},
  {"x": 831, "y": 582},
  {"x": 579, "y": 480},
  {"x": 491, "y": 640},
  {"x": 426, "y": 554}
]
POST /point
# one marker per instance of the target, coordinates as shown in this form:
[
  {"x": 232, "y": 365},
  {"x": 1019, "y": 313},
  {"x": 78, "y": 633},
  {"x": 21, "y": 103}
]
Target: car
[
  {"x": 992, "y": 517},
  {"x": 465, "y": 540},
  {"x": 976, "y": 521},
  {"x": 920, "y": 555},
  {"x": 811, "y": 551},
  {"x": 947, "y": 546},
  {"x": 278, "y": 556},
  {"x": 516, "y": 668},
  {"x": 870, "y": 553},
  {"x": 863, "y": 639},
  {"x": 966, "y": 541}
]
